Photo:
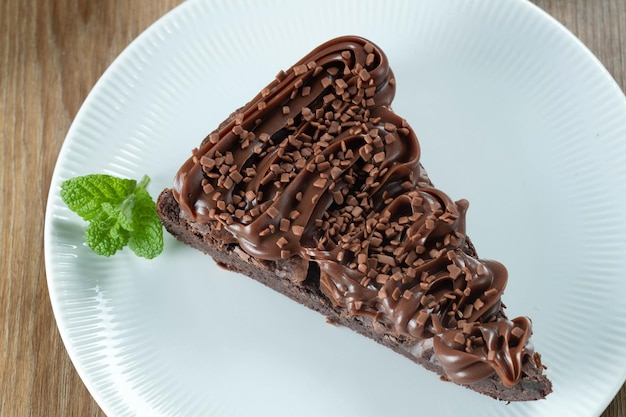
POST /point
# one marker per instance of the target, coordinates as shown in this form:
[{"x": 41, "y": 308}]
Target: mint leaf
[
  {"x": 106, "y": 237},
  {"x": 120, "y": 213},
  {"x": 116, "y": 213},
  {"x": 146, "y": 239},
  {"x": 85, "y": 195}
]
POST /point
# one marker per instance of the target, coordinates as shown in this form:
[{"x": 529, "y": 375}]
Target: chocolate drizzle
[{"x": 318, "y": 166}]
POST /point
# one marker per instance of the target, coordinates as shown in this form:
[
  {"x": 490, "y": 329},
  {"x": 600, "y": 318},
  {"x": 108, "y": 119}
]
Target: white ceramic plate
[{"x": 513, "y": 113}]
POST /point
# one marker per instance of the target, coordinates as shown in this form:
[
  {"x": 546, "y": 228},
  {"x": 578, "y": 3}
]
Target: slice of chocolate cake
[{"x": 315, "y": 189}]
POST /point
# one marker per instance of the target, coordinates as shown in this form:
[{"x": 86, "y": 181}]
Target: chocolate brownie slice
[{"x": 315, "y": 189}]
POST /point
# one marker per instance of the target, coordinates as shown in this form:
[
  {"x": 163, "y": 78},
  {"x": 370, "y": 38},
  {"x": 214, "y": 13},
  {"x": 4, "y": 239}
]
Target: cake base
[{"x": 298, "y": 279}]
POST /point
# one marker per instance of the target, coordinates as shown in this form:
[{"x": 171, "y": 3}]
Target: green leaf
[
  {"x": 106, "y": 237},
  {"x": 146, "y": 238},
  {"x": 116, "y": 213},
  {"x": 120, "y": 212},
  {"x": 85, "y": 195}
]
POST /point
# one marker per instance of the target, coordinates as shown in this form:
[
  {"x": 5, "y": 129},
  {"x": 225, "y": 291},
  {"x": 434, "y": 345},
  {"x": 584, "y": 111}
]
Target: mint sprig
[{"x": 120, "y": 213}]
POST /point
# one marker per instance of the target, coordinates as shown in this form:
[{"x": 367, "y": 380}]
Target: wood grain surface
[{"x": 51, "y": 54}]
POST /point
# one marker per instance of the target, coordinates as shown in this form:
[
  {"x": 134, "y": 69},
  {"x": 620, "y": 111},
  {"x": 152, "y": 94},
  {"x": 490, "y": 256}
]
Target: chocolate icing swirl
[{"x": 317, "y": 165}]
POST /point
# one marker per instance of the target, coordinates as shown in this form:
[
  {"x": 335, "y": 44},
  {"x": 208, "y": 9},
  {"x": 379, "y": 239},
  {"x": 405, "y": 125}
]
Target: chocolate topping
[{"x": 318, "y": 166}]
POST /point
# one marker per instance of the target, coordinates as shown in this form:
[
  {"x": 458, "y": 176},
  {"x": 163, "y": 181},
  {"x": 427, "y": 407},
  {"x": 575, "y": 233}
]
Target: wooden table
[{"x": 51, "y": 54}]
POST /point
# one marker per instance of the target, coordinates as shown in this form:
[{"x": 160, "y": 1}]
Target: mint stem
[
  {"x": 144, "y": 182},
  {"x": 126, "y": 207}
]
